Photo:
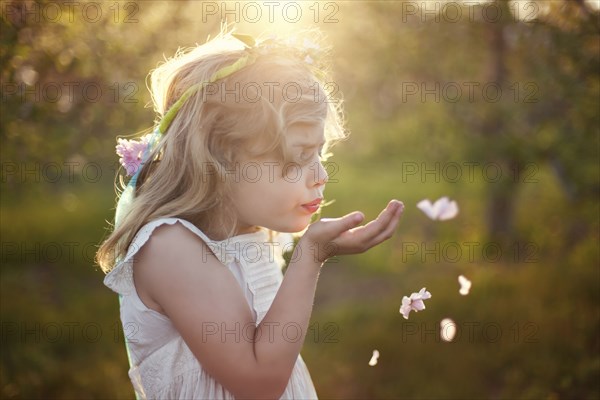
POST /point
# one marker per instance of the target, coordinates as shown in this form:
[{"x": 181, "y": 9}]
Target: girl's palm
[{"x": 337, "y": 236}]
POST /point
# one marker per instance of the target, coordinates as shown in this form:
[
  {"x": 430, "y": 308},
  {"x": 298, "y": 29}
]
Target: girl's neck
[{"x": 218, "y": 230}]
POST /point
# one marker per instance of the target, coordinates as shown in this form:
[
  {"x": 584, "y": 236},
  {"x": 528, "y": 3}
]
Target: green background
[{"x": 504, "y": 93}]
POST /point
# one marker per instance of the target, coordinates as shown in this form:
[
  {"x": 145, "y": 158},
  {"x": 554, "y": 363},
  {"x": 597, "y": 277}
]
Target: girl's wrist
[{"x": 309, "y": 254}]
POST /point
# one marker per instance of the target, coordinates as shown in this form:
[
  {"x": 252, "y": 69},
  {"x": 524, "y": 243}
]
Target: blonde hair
[{"x": 244, "y": 114}]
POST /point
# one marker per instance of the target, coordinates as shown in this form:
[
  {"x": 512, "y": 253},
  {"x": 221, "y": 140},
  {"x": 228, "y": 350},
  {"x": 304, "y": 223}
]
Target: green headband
[
  {"x": 220, "y": 74},
  {"x": 307, "y": 52}
]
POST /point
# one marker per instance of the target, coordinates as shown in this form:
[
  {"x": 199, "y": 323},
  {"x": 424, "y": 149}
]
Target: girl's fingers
[
  {"x": 331, "y": 228},
  {"x": 380, "y": 224},
  {"x": 390, "y": 229},
  {"x": 364, "y": 237}
]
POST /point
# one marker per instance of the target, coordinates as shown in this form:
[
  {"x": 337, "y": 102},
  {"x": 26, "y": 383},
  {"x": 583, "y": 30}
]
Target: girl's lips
[{"x": 313, "y": 206}]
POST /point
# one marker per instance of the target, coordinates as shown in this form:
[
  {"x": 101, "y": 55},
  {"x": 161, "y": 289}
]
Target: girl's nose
[{"x": 320, "y": 177}]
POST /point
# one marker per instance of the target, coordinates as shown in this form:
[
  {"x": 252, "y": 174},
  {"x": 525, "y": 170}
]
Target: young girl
[{"x": 196, "y": 252}]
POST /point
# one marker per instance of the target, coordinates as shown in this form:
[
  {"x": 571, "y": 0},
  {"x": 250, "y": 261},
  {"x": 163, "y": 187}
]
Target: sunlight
[
  {"x": 595, "y": 4},
  {"x": 280, "y": 17}
]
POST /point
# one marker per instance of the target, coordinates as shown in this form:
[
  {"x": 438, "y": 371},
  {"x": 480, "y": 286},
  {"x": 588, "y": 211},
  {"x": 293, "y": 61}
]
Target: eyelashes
[{"x": 306, "y": 156}]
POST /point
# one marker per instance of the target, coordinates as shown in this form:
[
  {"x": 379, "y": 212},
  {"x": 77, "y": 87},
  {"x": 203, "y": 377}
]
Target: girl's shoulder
[
  {"x": 147, "y": 230},
  {"x": 120, "y": 278}
]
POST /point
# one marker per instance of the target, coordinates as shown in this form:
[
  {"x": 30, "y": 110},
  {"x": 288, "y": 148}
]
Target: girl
[{"x": 196, "y": 252}]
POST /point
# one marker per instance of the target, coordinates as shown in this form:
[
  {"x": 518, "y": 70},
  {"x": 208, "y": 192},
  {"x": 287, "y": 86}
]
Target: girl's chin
[{"x": 296, "y": 227}]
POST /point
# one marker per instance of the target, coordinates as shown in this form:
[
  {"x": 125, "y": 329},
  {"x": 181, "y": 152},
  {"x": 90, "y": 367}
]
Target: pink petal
[{"x": 418, "y": 305}]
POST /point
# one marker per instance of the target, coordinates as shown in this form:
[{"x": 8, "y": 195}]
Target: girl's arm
[{"x": 176, "y": 274}]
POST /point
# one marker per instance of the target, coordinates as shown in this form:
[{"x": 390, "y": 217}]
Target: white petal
[
  {"x": 449, "y": 211},
  {"x": 427, "y": 208},
  {"x": 465, "y": 285},
  {"x": 447, "y": 329},
  {"x": 439, "y": 206},
  {"x": 406, "y": 301},
  {"x": 374, "y": 357}
]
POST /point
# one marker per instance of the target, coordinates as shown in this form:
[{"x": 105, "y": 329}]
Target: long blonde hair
[{"x": 246, "y": 113}]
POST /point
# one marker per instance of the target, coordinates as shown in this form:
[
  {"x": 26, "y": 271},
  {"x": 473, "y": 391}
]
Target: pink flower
[
  {"x": 132, "y": 152},
  {"x": 414, "y": 302}
]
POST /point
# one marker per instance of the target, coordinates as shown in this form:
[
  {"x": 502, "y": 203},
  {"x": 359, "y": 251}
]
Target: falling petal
[
  {"x": 443, "y": 209},
  {"x": 447, "y": 329},
  {"x": 414, "y": 302},
  {"x": 405, "y": 308},
  {"x": 426, "y": 207},
  {"x": 424, "y": 294},
  {"x": 465, "y": 285},
  {"x": 418, "y": 305},
  {"x": 449, "y": 211},
  {"x": 374, "y": 357}
]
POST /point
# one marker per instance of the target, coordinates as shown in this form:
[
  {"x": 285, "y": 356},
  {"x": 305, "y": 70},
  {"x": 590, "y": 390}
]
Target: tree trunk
[{"x": 501, "y": 193}]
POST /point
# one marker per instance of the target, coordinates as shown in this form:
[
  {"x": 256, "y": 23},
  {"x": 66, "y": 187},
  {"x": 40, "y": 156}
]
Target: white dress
[{"x": 162, "y": 365}]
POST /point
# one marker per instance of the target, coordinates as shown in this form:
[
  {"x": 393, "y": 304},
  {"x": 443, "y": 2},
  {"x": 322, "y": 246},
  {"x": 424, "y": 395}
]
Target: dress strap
[{"x": 120, "y": 278}]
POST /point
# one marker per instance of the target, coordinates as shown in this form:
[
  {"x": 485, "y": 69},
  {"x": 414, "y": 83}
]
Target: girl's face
[{"x": 281, "y": 197}]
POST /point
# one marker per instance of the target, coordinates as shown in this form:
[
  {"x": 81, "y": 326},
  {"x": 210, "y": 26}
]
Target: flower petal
[
  {"x": 449, "y": 211},
  {"x": 405, "y": 310},
  {"x": 424, "y": 294},
  {"x": 427, "y": 208},
  {"x": 418, "y": 305},
  {"x": 447, "y": 329},
  {"x": 465, "y": 285},
  {"x": 374, "y": 357}
]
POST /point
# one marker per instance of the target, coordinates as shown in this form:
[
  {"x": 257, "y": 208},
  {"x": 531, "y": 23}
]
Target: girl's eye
[{"x": 306, "y": 156}]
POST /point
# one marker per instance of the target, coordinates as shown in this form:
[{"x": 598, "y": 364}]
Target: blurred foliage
[{"x": 71, "y": 84}]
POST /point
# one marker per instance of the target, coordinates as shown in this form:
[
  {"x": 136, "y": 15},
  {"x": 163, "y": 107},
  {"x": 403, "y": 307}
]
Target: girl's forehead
[{"x": 306, "y": 133}]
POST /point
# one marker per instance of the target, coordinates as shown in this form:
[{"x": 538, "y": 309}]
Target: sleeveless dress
[{"x": 162, "y": 365}]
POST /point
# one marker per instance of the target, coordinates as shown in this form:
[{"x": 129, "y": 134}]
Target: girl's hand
[{"x": 336, "y": 236}]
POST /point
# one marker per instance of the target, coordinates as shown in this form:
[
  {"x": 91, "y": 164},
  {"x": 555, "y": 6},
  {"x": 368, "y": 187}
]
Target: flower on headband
[
  {"x": 307, "y": 51},
  {"x": 311, "y": 49},
  {"x": 132, "y": 152},
  {"x": 307, "y": 44}
]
